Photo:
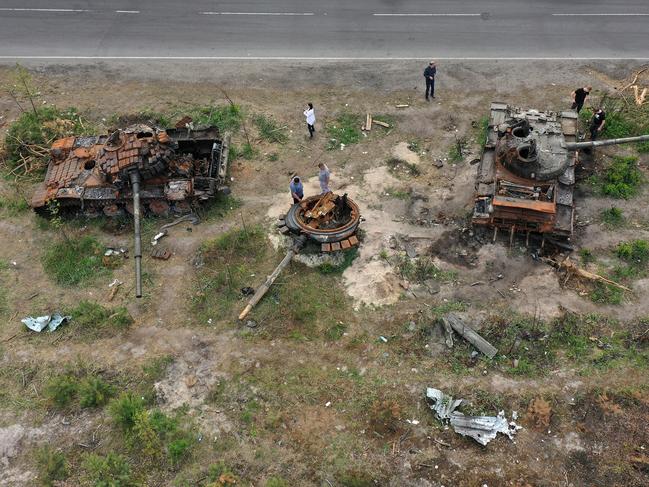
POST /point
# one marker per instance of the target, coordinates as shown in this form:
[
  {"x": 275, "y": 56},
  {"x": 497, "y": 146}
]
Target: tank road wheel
[
  {"x": 159, "y": 207},
  {"x": 113, "y": 211},
  {"x": 182, "y": 207}
]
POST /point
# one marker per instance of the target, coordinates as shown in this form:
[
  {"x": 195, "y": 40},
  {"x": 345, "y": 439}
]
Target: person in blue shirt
[{"x": 297, "y": 189}]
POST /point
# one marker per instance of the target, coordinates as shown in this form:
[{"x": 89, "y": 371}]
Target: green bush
[
  {"x": 218, "y": 470},
  {"x": 89, "y": 315},
  {"x": 270, "y": 130},
  {"x": 635, "y": 251},
  {"x": 13, "y": 205},
  {"x": 228, "y": 118},
  {"x": 345, "y": 129},
  {"x": 348, "y": 259},
  {"x": 94, "y": 392},
  {"x": 125, "y": 409},
  {"x": 483, "y": 131},
  {"x": 622, "y": 178},
  {"x": 52, "y": 466},
  {"x": 61, "y": 390},
  {"x": 112, "y": 470},
  {"x": 606, "y": 294},
  {"x": 40, "y": 129},
  {"x": 586, "y": 256},
  {"x": 178, "y": 450},
  {"x": 276, "y": 482},
  {"x": 612, "y": 217},
  {"x": 72, "y": 262}
]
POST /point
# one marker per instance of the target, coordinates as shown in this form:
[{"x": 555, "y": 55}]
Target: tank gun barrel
[
  {"x": 601, "y": 143},
  {"x": 136, "y": 179}
]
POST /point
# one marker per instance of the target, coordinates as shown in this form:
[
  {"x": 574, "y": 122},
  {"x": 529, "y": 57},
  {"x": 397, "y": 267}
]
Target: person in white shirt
[{"x": 309, "y": 113}]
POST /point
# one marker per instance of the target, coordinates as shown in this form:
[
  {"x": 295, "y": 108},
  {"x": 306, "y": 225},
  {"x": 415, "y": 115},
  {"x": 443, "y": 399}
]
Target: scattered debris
[
  {"x": 482, "y": 429},
  {"x": 368, "y": 123},
  {"x": 383, "y": 339},
  {"x": 110, "y": 252},
  {"x": 51, "y": 322},
  {"x": 469, "y": 334},
  {"x": 247, "y": 291},
  {"x": 163, "y": 229},
  {"x": 382, "y": 124},
  {"x": 402, "y": 105},
  {"x": 114, "y": 289},
  {"x": 251, "y": 324},
  {"x": 162, "y": 254}
]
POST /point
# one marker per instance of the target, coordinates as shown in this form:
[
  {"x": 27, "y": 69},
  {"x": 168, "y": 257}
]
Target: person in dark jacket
[
  {"x": 597, "y": 123},
  {"x": 429, "y": 75},
  {"x": 579, "y": 97}
]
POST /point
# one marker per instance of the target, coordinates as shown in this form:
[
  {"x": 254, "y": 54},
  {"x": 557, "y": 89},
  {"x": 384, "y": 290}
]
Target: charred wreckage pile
[{"x": 174, "y": 168}]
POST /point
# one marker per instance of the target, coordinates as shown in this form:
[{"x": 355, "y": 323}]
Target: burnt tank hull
[
  {"x": 178, "y": 167},
  {"x": 526, "y": 175}
]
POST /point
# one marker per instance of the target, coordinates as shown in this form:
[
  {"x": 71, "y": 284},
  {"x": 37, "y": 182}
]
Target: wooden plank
[
  {"x": 345, "y": 244},
  {"x": 470, "y": 335},
  {"x": 368, "y": 122},
  {"x": 382, "y": 124},
  {"x": 284, "y": 230},
  {"x": 353, "y": 240},
  {"x": 335, "y": 246},
  {"x": 325, "y": 247}
]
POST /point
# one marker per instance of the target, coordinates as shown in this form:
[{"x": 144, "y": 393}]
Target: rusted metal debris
[
  {"x": 162, "y": 254},
  {"x": 330, "y": 220}
]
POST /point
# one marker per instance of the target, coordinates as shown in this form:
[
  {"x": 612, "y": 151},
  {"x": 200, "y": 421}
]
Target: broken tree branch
[{"x": 572, "y": 268}]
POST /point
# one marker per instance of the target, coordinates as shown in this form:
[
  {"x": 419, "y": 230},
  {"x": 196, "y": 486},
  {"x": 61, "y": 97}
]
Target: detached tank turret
[
  {"x": 137, "y": 170},
  {"x": 526, "y": 174}
]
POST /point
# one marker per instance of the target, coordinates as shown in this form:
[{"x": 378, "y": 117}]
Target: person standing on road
[
  {"x": 297, "y": 189},
  {"x": 323, "y": 177},
  {"x": 597, "y": 123},
  {"x": 429, "y": 75},
  {"x": 309, "y": 113},
  {"x": 579, "y": 96}
]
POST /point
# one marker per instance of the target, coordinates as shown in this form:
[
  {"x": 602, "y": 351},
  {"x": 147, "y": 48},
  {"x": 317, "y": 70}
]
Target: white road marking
[
  {"x": 127, "y": 11},
  {"x": 298, "y": 58},
  {"x": 290, "y": 14},
  {"x": 426, "y": 15},
  {"x": 44, "y": 10},
  {"x": 601, "y": 15}
]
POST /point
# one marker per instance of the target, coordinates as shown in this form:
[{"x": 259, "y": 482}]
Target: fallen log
[{"x": 470, "y": 335}]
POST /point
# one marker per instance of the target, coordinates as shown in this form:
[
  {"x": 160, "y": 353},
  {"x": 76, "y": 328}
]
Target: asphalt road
[{"x": 335, "y": 29}]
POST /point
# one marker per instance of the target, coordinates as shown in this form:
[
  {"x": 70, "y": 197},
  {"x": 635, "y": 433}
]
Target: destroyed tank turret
[
  {"x": 136, "y": 170},
  {"x": 526, "y": 174}
]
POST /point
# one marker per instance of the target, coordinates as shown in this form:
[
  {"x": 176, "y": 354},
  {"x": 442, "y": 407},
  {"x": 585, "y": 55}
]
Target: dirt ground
[{"x": 315, "y": 421}]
